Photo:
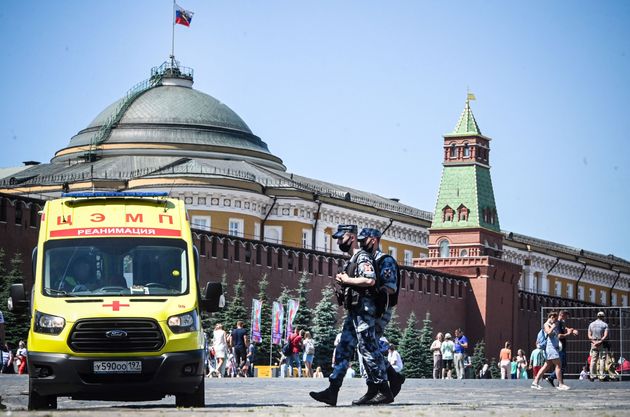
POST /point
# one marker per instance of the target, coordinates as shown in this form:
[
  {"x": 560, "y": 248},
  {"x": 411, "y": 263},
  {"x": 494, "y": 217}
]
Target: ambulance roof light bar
[{"x": 115, "y": 194}]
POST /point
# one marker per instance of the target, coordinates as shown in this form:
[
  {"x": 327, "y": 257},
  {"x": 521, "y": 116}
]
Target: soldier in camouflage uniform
[
  {"x": 387, "y": 287},
  {"x": 359, "y": 325}
]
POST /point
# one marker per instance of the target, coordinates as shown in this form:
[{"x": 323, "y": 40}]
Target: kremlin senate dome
[{"x": 172, "y": 119}]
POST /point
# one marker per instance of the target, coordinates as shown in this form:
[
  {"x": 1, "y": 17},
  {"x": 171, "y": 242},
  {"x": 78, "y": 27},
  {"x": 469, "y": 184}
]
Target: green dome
[{"x": 173, "y": 119}]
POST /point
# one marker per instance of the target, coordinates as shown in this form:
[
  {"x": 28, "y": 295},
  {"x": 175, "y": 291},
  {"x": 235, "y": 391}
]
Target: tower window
[
  {"x": 462, "y": 213},
  {"x": 444, "y": 249},
  {"x": 448, "y": 214},
  {"x": 466, "y": 151},
  {"x": 453, "y": 151}
]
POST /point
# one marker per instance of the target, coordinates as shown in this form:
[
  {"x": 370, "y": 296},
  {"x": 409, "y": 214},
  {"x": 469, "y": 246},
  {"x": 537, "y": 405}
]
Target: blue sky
[{"x": 380, "y": 82}]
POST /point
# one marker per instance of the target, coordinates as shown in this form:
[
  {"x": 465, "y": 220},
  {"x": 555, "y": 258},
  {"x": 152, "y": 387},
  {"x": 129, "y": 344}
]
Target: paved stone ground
[{"x": 289, "y": 397}]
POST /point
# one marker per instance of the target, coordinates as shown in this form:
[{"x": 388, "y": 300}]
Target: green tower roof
[
  {"x": 467, "y": 125},
  {"x": 468, "y": 186}
]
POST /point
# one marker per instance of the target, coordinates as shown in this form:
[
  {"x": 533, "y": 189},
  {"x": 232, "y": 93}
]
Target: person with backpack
[
  {"x": 387, "y": 288},
  {"x": 552, "y": 347},
  {"x": 293, "y": 359},
  {"x": 357, "y": 280}
]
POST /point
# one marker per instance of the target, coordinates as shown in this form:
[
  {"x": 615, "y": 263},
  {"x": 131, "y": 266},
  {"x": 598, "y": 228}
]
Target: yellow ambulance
[{"x": 116, "y": 302}]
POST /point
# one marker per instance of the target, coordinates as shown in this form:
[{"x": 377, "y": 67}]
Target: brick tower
[{"x": 465, "y": 238}]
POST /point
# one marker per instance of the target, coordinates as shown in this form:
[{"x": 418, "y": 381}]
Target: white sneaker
[
  {"x": 563, "y": 387},
  {"x": 535, "y": 386}
]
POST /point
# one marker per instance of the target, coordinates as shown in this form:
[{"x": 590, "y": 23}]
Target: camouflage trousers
[
  {"x": 359, "y": 331},
  {"x": 382, "y": 322}
]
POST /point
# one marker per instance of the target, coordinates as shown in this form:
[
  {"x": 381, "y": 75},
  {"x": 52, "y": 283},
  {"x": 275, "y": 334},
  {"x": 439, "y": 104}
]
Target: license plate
[{"x": 117, "y": 367}]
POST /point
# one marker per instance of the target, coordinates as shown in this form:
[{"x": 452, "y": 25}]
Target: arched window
[
  {"x": 453, "y": 151},
  {"x": 466, "y": 151},
  {"x": 445, "y": 249},
  {"x": 463, "y": 253}
]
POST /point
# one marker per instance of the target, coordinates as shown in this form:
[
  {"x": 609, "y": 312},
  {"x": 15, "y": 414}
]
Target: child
[{"x": 584, "y": 373}]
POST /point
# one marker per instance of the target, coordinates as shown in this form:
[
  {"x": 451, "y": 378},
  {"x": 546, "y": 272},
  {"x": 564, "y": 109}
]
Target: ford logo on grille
[{"x": 116, "y": 334}]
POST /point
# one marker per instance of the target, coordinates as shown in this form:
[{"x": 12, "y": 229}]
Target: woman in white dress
[{"x": 219, "y": 344}]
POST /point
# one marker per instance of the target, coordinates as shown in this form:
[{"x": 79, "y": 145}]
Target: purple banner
[
  {"x": 277, "y": 322},
  {"x": 256, "y": 309}
]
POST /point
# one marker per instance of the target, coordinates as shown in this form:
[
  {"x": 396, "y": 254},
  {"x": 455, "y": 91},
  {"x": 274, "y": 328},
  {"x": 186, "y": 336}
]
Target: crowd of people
[
  {"x": 232, "y": 354},
  {"x": 449, "y": 355}
]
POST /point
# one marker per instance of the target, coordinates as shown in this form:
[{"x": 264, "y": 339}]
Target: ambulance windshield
[{"x": 115, "y": 266}]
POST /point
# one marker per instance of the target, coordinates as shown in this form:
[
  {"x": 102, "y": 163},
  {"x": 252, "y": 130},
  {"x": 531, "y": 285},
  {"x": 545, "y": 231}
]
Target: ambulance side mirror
[
  {"x": 213, "y": 298},
  {"x": 17, "y": 301}
]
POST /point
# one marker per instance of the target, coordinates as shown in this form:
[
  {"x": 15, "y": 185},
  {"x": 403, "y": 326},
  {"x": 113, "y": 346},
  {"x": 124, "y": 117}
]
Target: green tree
[
  {"x": 479, "y": 357},
  {"x": 236, "y": 308},
  {"x": 393, "y": 333},
  {"x": 262, "y": 356},
  {"x": 324, "y": 330},
  {"x": 426, "y": 340},
  {"x": 304, "y": 316},
  {"x": 16, "y": 324},
  {"x": 410, "y": 349}
]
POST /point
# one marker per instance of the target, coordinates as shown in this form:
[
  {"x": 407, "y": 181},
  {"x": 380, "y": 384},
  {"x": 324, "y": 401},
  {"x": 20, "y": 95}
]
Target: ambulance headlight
[
  {"x": 49, "y": 324},
  {"x": 182, "y": 323}
]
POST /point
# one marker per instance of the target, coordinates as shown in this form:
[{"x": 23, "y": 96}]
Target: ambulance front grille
[{"x": 117, "y": 335}]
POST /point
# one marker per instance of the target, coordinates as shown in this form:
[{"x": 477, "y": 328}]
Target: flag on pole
[
  {"x": 256, "y": 310},
  {"x": 277, "y": 322},
  {"x": 292, "y": 308},
  {"x": 471, "y": 96},
  {"x": 182, "y": 16}
]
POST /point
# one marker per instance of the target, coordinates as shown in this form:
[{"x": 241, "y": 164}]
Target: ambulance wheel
[
  {"x": 40, "y": 402},
  {"x": 196, "y": 399}
]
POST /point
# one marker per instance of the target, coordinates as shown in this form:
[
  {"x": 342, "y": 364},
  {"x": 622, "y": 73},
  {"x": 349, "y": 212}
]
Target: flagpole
[
  {"x": 173, "y": 38},
  {"x": 270, "y": 341}
]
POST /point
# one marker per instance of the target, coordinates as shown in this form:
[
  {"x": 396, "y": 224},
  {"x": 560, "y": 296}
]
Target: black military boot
[
  {"x": 371, "y": 392},
  {"x": 395, "y": 380},
  {"x": 383, "y": 396},
  {"x": 328, "y": 396}
]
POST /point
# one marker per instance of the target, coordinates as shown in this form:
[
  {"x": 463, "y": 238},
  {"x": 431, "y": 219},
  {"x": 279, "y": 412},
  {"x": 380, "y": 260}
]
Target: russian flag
[{"x": 182, "y": 16}]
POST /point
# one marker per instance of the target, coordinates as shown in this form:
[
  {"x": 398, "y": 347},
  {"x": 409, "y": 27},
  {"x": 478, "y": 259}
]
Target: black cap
[
  {"x": 368, "y": 232},
  {"x": 345, "y": 228}
]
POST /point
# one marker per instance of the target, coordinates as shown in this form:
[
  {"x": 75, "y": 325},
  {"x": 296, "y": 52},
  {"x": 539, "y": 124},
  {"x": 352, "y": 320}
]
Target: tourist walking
[
  {"x": 552, "y": 347},
  {"x": 239, "y": 341},
  {"x": 220, "y": 346},
  {"x": 563, "y": 334},
  {"x": 309, "y": 353},
  {"x": 536, "y": 360}
]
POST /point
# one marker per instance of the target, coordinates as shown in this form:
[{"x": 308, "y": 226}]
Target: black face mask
[
  {"x": 346, "y": 246},
  {"x": 367, "y": 247}
]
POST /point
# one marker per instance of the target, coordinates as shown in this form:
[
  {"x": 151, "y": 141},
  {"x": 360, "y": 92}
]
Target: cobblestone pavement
[{"x": 289, "y": 397}]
